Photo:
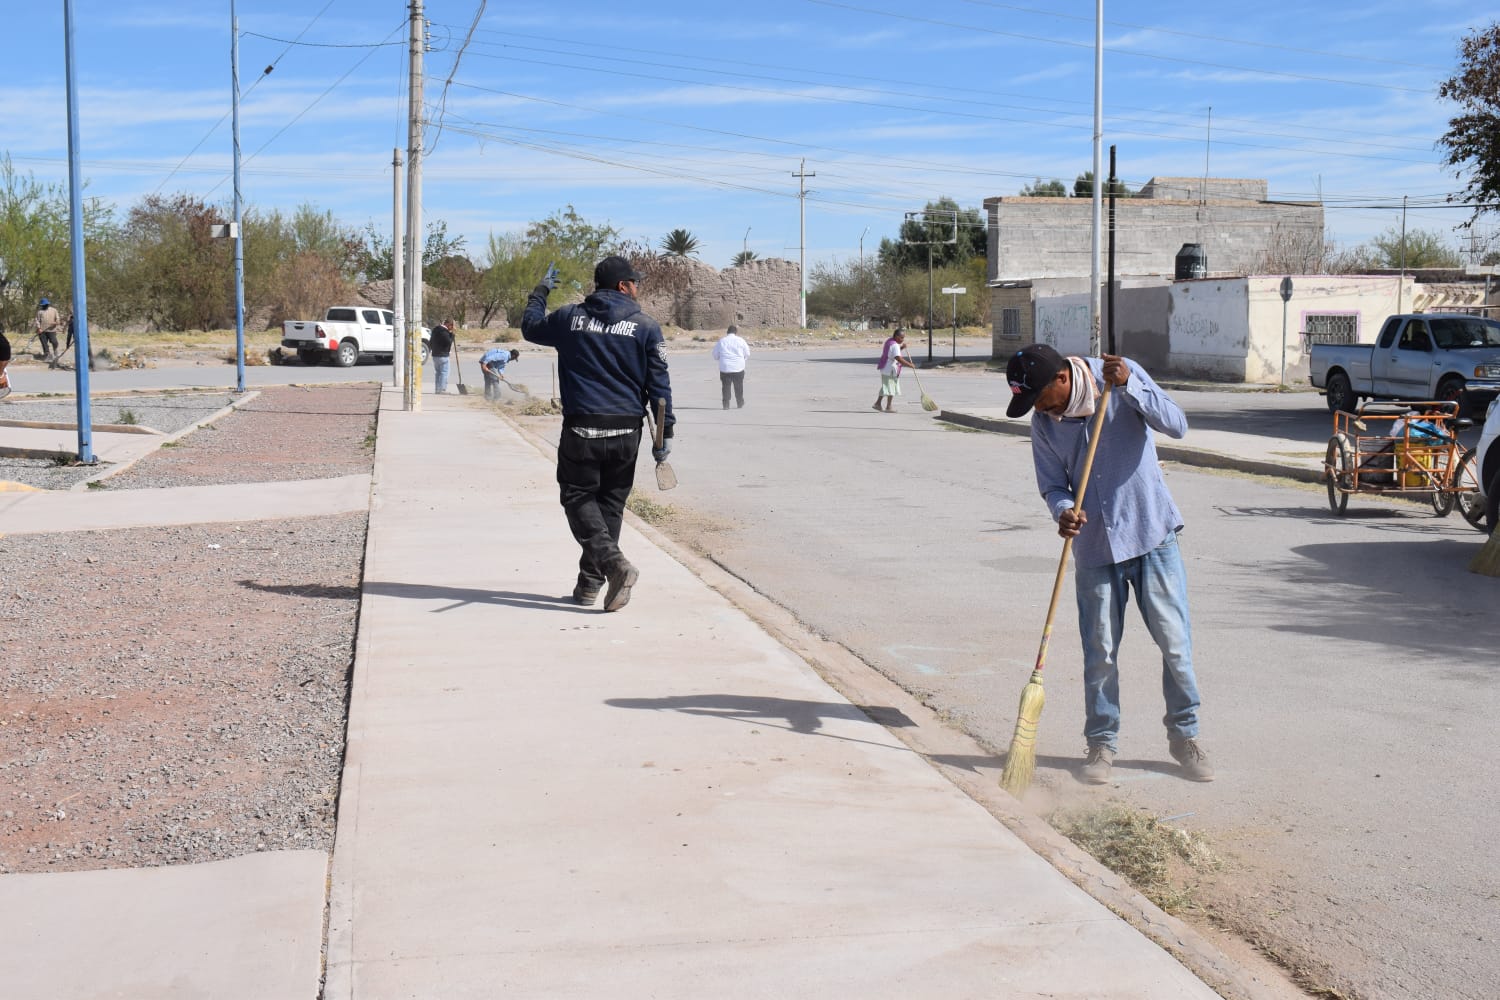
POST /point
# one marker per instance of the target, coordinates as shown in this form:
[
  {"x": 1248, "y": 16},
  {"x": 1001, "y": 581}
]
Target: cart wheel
[
  {"x": 1442, "y": 502},
  {"x": 1338, "y": 469},
  {"x": 1469, "y": 492}
]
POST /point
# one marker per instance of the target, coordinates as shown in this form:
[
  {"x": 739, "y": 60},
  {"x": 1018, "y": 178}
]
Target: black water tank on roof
[{"x": 1192, "y": 262}]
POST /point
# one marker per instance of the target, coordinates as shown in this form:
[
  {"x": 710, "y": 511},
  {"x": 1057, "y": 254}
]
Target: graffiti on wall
[{"x": 1061, "y": 325}]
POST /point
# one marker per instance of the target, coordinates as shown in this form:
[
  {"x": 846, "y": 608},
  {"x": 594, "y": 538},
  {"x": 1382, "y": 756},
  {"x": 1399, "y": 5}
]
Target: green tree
[
  {"x": 372, "y": 258},
  {"x": 1472, "y": 142},
  {"x": 680, "y": 243},
  {"x": 934, "y": 228},
  {"x": 1423, "y": 248},
  {"x": 34, "y": 242},
  {"x": 1083, "y": 187},
  {"x": 183, "y": 275},
  {"x": 573, "y": 238},
  {"x": 1044, "y": 189},
  {"x": 744, "y": 257}
]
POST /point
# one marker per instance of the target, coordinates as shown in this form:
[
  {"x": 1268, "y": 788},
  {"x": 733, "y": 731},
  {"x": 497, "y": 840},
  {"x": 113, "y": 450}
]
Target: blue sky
[{"x": 658, "y": 115}]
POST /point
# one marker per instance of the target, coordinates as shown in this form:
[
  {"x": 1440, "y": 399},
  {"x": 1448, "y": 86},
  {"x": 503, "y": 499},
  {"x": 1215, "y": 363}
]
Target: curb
[
  {"x": 1172, "y": 453},
  {"x": 115, "y": 470}
]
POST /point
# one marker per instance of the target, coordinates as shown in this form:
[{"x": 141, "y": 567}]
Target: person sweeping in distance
[
  {"x": 890, "y": 364},
  {"x": 1124, "y": 538}
]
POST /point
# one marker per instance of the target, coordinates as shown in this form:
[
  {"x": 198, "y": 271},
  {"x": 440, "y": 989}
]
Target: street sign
[
  {"x": 955, "y": 291},
  {"x": 1286, "y": 289}
]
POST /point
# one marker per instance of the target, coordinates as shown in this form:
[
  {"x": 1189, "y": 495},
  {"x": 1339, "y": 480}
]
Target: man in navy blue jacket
[{"x": 613, "y": 366}]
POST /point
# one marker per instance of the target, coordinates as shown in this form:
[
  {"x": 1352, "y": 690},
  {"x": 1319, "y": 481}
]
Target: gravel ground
[
  {"x": 164, "y": 412},
  {"x": 177, "y": 695}
]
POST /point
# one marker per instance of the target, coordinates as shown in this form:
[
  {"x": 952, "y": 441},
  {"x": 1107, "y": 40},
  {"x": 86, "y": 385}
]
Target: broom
[
  {"x": 1020, "y": 761},
  {"x": 927, "y": 403},
  {"x": 1486, "y": 561}
]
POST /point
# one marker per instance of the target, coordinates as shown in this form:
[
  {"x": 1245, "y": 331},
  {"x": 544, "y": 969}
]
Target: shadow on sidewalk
[
  {"x": 460, "y": 596},
  {"x": 801, "y": 716}
]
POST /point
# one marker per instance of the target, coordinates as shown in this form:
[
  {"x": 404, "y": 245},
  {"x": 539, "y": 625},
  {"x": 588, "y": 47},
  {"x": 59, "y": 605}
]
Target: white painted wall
[
  {"x": 1207, "y": 328},
  {"x": 1369, "y": 299}
]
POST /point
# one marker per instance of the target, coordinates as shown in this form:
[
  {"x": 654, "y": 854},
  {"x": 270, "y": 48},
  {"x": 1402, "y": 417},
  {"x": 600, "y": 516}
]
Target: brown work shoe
[
  {"x": 1187, "y": 752},
  {"x": 621, "y": 578},
  {"x": 1098, "y": 766}
]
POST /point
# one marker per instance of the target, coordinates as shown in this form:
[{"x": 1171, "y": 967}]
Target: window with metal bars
[
  {"x": 1010, "y": 324},
  {"x": 1332, "y": 328}
]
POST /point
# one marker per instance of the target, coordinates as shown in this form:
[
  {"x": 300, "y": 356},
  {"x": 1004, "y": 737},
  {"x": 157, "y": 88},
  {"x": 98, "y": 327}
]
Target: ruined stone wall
[{"x": 762, "y": 293}]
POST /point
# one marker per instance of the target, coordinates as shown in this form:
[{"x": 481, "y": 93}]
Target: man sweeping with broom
[{"x": 1124, "y": 538}]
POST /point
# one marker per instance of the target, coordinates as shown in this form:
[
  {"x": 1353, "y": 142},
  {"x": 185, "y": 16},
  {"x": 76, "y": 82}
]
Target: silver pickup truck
[
  {"x": 1451, "y": 357},
  {"x": 345, "y": 333}
]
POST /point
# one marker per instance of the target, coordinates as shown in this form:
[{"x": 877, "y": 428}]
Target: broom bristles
[
  {"x": 1020, "y": 761},
  {"x": 927, "y": 403},
  {"x": 1486, "y": 561}
]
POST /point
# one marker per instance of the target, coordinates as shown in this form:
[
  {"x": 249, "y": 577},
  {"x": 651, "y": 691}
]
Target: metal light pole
[
  {"x": 398, "y": 285},
  {"x": 413, "y": 393},
  {"x": 862, "y": 247},
  {"x": 1401, "y": 288},
  {"x": 802, "y": 176},
  {"x": 239, "y": 240},
  {"x": 929, "y": 303},
  {"x": 745, "y": 243},
  {"x": 81, "y": 353},
  {"x": 1094, "y": 317},
  {"x": 1286, "y": 296}
]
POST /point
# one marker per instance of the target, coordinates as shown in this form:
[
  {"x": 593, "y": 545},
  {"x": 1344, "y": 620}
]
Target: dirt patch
[{"x": 177, "y": 695}]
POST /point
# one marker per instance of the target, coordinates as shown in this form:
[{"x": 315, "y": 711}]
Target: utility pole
[
  {"x": 1095, "y": 347},
  {"x": 413, "y": 393},
  {"x": 398, "y": 285},
  {"x": 81, "y": 353},
  {"x": 239, "y": 240},
  {"x": 745, "y": 243},
  {"x": 1401, "y": 288},
  {"x": 802, "y": 176}
]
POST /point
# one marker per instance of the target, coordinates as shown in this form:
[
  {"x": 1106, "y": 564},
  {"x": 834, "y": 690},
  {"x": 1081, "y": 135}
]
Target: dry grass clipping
[
  {"x": 648, "y": 510},
  {"x": 1141, "y": 849}
]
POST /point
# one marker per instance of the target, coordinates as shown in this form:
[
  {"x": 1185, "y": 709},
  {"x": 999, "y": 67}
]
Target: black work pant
[
  {"x": 736, "y": 380},
  {"x": 49, "y": 343},
  {"x": 594, "y": 476}
]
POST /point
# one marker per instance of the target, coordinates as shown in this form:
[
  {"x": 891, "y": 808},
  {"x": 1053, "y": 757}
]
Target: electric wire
[
  {"x": 264, "y": 73},
  {"x": 453, "y": 70},
  {"x": 1117, "y": 51}
]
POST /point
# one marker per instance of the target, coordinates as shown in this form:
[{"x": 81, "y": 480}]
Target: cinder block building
[{"x": 1046, "y": 242}]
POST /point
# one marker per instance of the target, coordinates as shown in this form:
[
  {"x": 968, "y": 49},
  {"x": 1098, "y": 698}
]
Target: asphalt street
[{"x": 1347, "y": 664}]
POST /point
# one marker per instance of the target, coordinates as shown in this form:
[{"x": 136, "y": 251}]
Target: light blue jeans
[
  {"x": 440, "y": 373},
  {"x": 1160, "y": 585}
]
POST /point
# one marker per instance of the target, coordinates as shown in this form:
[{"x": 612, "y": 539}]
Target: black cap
[
  {"x": 613, "y": 270},
  {"x": 1031, "y": 369}
]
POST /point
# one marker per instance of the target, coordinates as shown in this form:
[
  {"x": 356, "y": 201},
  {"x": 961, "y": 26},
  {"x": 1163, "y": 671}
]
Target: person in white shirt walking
[{"x": 731, "y": 352}]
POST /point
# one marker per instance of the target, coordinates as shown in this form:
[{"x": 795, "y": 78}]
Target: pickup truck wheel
[
  {"x": 1492, "y": 504},
  {"x": 1338, "y": 470},
  {"x": 309, "y": 357},
  {"x": 1341, "y": 394},
  {"x": 348, "y": 354},
  {"x": 1451, "y": 390},
  {"x": 426, "y": 351},
  {"x": 1470, "y": 495}
]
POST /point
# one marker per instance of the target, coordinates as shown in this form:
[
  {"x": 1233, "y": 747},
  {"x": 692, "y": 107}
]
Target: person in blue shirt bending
[
  {"x": 1124, "y": 538},
  {"x": 493, "y": 365}
]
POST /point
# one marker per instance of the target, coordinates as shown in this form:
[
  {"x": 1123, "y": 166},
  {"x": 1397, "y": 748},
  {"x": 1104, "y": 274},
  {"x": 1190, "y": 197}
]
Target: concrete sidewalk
[{"x": 546, "y": 800}]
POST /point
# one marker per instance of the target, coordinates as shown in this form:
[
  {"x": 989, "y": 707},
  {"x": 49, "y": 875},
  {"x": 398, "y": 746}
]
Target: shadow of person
[
  {"x": 800, "y": 716},
  {"x": 460, "y": 596}
]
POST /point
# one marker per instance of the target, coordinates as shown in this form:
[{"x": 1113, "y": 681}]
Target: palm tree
[
  {"x": 744, "y": 257},
  {"x": 680, "y": 243}
]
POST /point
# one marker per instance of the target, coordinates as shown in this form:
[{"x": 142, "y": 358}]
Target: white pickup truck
[
  {"x": 346, "y": 333},
  {"x": 1418, "y": 356}
]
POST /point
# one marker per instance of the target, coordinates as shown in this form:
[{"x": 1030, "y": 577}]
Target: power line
[
  {"x": 1118, "y": 51},
  {"x": 264, "y": 73},
  {"x": 443, "y": 97},
  {"x": 553, "y": 63},
  {"x": 719, "y": 60},
  {"x": 1321, "y": 53},
  {"x": 321, "y": 45}
]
